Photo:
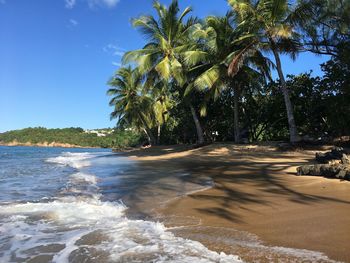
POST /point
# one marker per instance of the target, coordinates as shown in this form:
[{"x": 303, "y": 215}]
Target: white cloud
[
  {"x": 107, "y": 3},
  {"x": 114, "y": 50},
  {"x": 119, "y": 53},
  {"x": 73, "y": 22},
  {"x": 117, "y": 64},
  {"x": 70, "y": 3},
  {"x": 111, "y": 3},
  {"x": 92, "y": 3}
]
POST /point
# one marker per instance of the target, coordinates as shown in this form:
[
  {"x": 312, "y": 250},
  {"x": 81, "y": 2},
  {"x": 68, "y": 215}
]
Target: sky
[{"x": 56, "y": 57}]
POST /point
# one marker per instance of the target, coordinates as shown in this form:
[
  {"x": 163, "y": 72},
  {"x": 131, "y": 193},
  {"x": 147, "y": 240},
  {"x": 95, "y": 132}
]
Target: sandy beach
[{"x": 255, "y": 191}]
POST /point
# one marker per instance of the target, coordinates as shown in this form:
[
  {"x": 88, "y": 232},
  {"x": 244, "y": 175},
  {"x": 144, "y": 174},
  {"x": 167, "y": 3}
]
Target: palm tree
[
  {"x": 131, "y": 105},
  {"x": 168, "y": 38},
  {"x": 218, "y": 43},
  {"x": 270, "y": 25},
  {"x": 162, "y": 103}
]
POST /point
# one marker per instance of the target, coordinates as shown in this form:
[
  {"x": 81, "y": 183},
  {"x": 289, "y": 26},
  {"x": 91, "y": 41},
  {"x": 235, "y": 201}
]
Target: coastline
[
  {"x": 255, "y": 191},
  {"x": 46, "y": 144}
]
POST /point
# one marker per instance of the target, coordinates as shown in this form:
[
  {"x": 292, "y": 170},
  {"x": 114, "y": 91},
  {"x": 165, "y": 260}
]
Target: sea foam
[
  {"x": 66, "y": 222},
  {"x": 75, "y": 160}
]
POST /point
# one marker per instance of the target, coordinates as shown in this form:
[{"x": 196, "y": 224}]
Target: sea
[
  {"x": 66, "y": 205},
  {"x": 92, "y": 205}
]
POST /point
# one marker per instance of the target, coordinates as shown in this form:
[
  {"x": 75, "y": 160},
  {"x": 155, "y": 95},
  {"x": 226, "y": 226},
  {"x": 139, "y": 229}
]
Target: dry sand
[{"x": 256, "y": 190}]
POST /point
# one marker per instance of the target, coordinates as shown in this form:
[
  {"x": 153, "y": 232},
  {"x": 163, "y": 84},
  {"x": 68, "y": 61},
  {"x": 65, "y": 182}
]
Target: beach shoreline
[
  {"x": 46, "y": 144},
  {"x": 255, "y": 190}
]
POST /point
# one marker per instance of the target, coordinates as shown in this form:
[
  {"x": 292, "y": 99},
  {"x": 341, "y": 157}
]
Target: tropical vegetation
[
  {"x": 207, "y": 79},
  {"x": 104, "y": 138}
]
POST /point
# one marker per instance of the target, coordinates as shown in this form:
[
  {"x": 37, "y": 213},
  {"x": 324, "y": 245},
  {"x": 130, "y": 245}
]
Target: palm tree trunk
[
  {"x": 293, "y": 134},
  {"x": 152, "y": 139},
  {"x": 236, "y": 115},
  {"x": 148, "y": 131},
  {"x": 158, "y": 134},
  {"x": 148, "y": 137},
  {"x": 198, "y": 125}
]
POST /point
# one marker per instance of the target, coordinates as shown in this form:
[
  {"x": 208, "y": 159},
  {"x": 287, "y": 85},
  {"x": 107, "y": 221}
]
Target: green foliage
[
  {"x": 219, "y": 67},
  {"x": 74, "y": 136}
]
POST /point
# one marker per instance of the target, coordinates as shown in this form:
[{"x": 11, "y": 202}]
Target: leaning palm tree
[
  {"x": 270, "y": 26},
  {"x": 218, "y": 43},
  {"x": 131, "y": 105},
  {"x": 168, "y": 38}
]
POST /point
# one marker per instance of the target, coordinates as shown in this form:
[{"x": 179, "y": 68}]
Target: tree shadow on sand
[{"x": 231, "y": 169}]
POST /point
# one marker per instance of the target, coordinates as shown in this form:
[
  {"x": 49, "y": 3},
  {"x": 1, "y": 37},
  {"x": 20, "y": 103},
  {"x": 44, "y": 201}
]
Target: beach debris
[{"x": 333, "y": 164}]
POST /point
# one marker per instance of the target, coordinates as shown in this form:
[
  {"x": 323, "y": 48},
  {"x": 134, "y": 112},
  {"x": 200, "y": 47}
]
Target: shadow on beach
[{"x": 254, "y": 188}]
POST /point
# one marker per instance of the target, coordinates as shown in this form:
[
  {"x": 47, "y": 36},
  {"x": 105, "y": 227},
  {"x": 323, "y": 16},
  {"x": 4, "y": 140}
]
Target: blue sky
[{"x": 56, "y": 57}]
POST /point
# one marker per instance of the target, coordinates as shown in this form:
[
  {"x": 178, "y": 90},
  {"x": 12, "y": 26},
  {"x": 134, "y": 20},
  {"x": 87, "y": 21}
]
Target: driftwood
[{"x": 334, "y": 164}]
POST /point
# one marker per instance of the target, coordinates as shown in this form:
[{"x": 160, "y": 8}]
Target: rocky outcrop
[{"x": 333, "y": 164}]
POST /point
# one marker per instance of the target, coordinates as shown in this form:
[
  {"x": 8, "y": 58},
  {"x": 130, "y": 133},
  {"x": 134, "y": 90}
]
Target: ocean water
[{"x": 71, "y": 205}]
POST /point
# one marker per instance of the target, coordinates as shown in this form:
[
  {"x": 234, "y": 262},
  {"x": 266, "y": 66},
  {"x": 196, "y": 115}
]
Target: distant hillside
[{"x": 70, "y": 137}]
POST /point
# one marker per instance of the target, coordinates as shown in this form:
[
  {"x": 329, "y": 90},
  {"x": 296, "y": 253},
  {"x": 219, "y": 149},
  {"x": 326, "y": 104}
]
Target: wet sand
[{"x": 255, "y": 190}]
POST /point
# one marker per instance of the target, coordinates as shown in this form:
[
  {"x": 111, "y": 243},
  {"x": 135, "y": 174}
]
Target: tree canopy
[{"x": 206, "y": 79}]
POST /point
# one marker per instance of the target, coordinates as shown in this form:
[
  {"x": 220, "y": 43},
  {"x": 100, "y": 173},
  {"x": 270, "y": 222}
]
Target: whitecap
[{"x": 75, "y": 160}]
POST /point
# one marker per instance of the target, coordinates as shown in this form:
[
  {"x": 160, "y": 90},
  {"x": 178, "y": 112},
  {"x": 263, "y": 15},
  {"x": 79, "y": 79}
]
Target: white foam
[
  {"x": 67, "y": 220},
  {"x": 84, "y": 178},
  {"x": 69, "y": 210},
  {"x": 145, "y": 239},
  {"x": 253, "y": 246},
  {"x": 75, "y": 160}
]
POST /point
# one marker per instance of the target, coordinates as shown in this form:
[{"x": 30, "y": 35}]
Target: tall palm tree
[
  {"x": 168, "y": 38},
  {"x": 218, "y": 43},
  {"x": 131, "y": 104},
  {"x": 270, "y": 25}
]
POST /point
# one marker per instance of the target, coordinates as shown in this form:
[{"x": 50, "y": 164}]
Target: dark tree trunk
[
  {"x": 236, "y": 114},
  {"x": 198, "y": 125}
]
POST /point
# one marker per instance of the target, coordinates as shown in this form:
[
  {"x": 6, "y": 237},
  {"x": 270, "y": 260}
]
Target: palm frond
[
  {"x": 194, "y": 57},
  {"x": 208, "y": 78},
  {"x": 238, "y": 59},
  {"x": 164, "y": 68}
]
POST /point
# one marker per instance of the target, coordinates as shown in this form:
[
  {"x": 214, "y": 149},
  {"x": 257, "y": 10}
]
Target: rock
[
  {"x": 317, "y": 170},
  {"x": 335, "y": 154},
  {"x": 305, "y": 169},
  {"x": 345, "y": 160},
  {"x": 334, "y": 164},
  {"x": 343, "y": 174},
  {"x": 326, "y": 170}
]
